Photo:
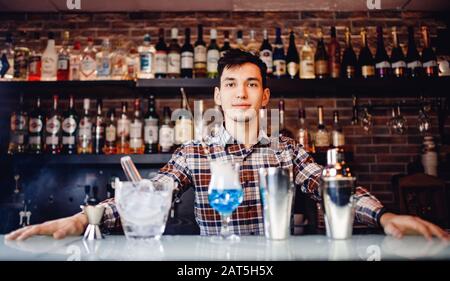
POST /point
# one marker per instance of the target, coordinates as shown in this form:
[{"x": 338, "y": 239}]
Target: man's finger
[
  {"x": 34, "y": 230},
  {"x": 421, "y": 228},
  {"x": 392, "y": 229},
  {"x": 14, "y": 234},
  {"x": 64, "y": 231},
  {"x": 436, "y": 230}
]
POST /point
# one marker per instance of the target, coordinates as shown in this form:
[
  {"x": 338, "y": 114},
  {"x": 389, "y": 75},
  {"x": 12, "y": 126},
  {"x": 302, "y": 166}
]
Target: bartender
[{"x": 241, "y": 93}]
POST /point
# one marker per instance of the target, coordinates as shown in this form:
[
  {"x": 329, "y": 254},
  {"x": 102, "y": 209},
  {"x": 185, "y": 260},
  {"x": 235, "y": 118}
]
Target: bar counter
[{"x": 248, "y": 248}]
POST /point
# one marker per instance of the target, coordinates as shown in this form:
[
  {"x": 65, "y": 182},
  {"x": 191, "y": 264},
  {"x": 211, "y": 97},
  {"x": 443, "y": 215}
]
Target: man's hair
[{"x": 237, "y": 57}]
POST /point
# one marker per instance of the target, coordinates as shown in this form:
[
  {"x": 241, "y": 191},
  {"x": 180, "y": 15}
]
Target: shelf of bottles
[{"x": 126, "y": 69}]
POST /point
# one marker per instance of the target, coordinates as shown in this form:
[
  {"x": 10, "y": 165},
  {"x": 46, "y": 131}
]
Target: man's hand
[
  {"x": 59, "y": 228},
  {"x": 399, "y": 225}
]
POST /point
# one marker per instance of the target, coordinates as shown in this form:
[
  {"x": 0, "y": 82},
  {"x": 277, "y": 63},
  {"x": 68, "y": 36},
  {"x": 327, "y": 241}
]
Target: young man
[{"x": 242, "y": 92}]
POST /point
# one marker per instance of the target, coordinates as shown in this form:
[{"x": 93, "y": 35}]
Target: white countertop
[{"x": 249, "y": 248}]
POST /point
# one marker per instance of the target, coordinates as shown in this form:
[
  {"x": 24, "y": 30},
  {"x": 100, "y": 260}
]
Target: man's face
[{"x": 241, "y": 92}]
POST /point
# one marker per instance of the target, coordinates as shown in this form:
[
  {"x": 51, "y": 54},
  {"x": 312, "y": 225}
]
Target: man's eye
[
  {"x": 253, "y": 85},
  {"x": 231, "y": 84}
]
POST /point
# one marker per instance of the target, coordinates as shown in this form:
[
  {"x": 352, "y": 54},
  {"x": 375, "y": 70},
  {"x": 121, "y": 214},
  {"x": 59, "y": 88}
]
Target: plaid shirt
[{"x": 189, "y": 166}]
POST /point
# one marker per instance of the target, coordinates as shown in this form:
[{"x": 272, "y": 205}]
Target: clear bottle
[
  {"x": 49, "y": 60},
  {"x": 119, "y": 67},
  {"x": 307, "y": 67},
  {"x": 63, "y": 71},
  {"x": 166, "y": 132},
  {"x": 252, "y": 46},
  {"x": 21, "y": 57},
  {"x": 200, "y": 54},
  {"x": 146, "y": 59},
  {"x": 123, "y": 131},
  {"x": 322, "y": 136},
  {"x": 136, "y": 130},
  {"x": 337, "y": 134},
  {"x": 265, "y": 53},
  {"x": 132, "y": 63},
  {"x": 429, "y": 157},
  {"x": 103, "y": 61},
  {"x": 7, "y": 59},
  {"x": 110, "y": 133},
  {"x": 88, "y": 67},
  {"x": 69, "y": 129},
  {"x": 35, "y": 61},
  {"x": 199, "y": 124},
  {"x": 84, "y": 145},
  {"x": 98, "y": 130},
  {"x": 303, "y": 132},
  {"x": 161, "y": 56},
  {"x": 18, "y": 129},
  {"x": 284, "y": 131},
  {"x": 184, "y": 127},
  {"x": 212, "y": 55},
  {"x": 53, "y": 129},
  {"x": 151, "y": 127},
  {"x": 36, "y": 129},
  {"x": 75, "y": 62},
  {"x": 174, "y": 56},
  {"x": 187, "y": 56}
]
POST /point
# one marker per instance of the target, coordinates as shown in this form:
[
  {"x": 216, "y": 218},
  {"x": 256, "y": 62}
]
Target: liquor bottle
[
  {"x": 103, "y": 61},
  {"x": 303, "y": 132},
  {"x": 337, "y": 134},
  {"x": 322, "y": 137},
  {"x": 365, "y": 60},
  {"x": 174, "y": 56},
  {"x": 53, "y": 129},
  {"x": 265, "y": 53},
  {"x": 292, "y": 58},
  {"x": 166, "y": 132},
  {"x": 132, "y": 62},
  {"x": 84, "y": 145},
  {"x": 285, "y": 132},
  {"x": 7, "y": 59},
  {"x": 382, "y": 63},
  {"x": 321, "y": 59},
  {"x": 69, "y": 129},
  {"x": 161, "y": 56},
  {"x": 349, "y": 60},
  {"x": 21, "y": 57},
  {"x": 63, "y": 69},
  {"x": 18, "y": 129},
  {"x": 35, "y": 61},
  {"x": 49, "y": 60},
  {"x": 88, "y": 67},
  {"x": 212, "y": 56},
  {"x": 184, "y": 128},
  {"x": 75, "y": 62},
  {"x": 279, "y": 58},
  {"x": 200, "y": 54},
  {"x": 199, "y": 124},
  {"x": 119, "y": 67},
  {"x": 240, "y": 40},
  {"x": 146, "y": 59},
  {"x": 442, "y": 53},
  {"x": 123, "y": 131},
  {"x": 110, "y": 133},
  {"x": 334, "y": 54},
  {"x": 307, "y": 59},
  {"x": 252, "y": 46},
  {"x": 413, "y": 59},
  {"x": 36, "y": 129},
  {"x": 226, "y": 43},
  {"x": 151, "y": 127},
  {"x": 397, "y": 57},
  {"x": 98, "y": 130},
  {"x": 429, "y": 61},
  {"x": 136, "y": 130},
  {"x": 187, "y": 56}
]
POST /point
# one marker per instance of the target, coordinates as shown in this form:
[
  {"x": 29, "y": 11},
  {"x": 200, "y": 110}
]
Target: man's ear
[
  {"x": 265, "y": 97},
  {"x": 217, "y": 99}
]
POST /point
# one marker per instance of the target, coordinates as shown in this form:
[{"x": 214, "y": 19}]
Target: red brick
[
  {"x": 372, "y": 149},
  {"x": 390, "y": 140},
  {"x": 394, "y": 168},
  {"x": 389, "y": 158}
]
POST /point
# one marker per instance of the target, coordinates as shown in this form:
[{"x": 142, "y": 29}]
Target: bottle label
[
  {"x": 161, "y": 62},
  {"x": 34, "y": 140},
  {"x": 350, "y": 71},
  {"x": 123, "y": 128},
  {"x": 335, "y": 70},
  {"x": 200, "y": 54},
  {"x": 303, "y": 138},
  {"x": 52, "y": 140},
  {"x": 135, "y": 143},
  {"x": 103, "y": 65},
  {"x": 368, "y": 70},
  {"x": 431, "y": 63},
  {"x": 292, "y": 68},
  {"x": 63, "y": 62},
  {"x": 383, "y": 64},
  {"x": 183, "y": 131},
  {"x": 111, "y": 134},
  {"x": 34, "y": 66},
  {"x": 48, "y": 66},
  {"x": 85, "y": 130},
  {"x": 88, "y": 66},
  {"x": 279, "y": 67},
  {"x": 174, "y": 63},
  {"x": 414, "y": 64},
  {"x": 399, "y": 64},
  {"x": 119, "y": 66},
  {"x": 68, "y": 140},
  {"x": 212, "y": 57},
  {"x": 74, "y": 68},
  {"x": 322, "y": 139},
  {"x": 146, "y": 62},
  {"x": 187, "y": 60},
  {"x": 266, "y": 57},
  {"x": 136, "y": 129},
  {"x": 18, "y": 122},
  {"x": 337, "y": 139},
  {"x": 53, "y": 125},
  {"x": 69, "y": 125},
  {"x": 307, "y": 69},
  {"x": 35, "y": 125},
  {"x": 321, "y": 67},
  {"x": 166, "y": 137},
  {"x": 151, "y": 131}
]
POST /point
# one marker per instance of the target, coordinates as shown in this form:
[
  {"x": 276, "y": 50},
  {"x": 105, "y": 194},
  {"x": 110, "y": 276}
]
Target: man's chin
[{"x": 241, "y": 115}]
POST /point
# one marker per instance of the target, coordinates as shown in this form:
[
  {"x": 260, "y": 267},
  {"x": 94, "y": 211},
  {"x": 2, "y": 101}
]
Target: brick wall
[{"x": 377, "y": 156}]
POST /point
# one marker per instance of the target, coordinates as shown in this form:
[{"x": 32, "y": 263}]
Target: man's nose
[{"x": 241, "y": 92}]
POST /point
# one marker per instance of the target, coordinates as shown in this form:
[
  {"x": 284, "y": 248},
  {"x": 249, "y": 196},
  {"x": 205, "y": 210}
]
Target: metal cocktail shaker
[
  {"x": 277, "y": 194},
  {"x": 337, "y": 190}
]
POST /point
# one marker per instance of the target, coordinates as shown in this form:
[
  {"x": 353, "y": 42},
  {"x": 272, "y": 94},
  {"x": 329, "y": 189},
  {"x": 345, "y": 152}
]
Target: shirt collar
[{"x": 223, "y": 137}]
